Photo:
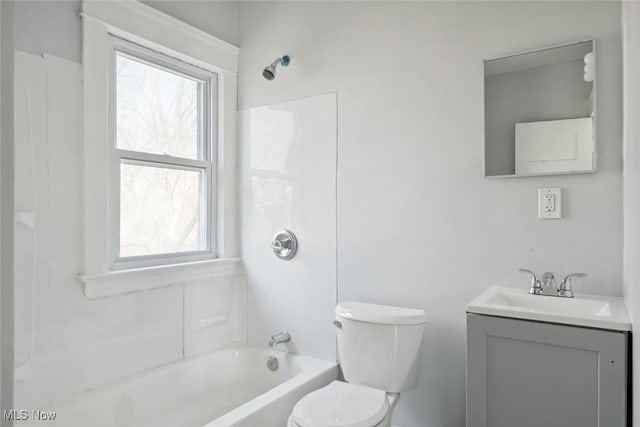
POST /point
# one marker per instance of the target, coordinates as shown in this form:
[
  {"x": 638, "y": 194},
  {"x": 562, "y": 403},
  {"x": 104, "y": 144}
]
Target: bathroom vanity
[{"x": 546, "y": 361}]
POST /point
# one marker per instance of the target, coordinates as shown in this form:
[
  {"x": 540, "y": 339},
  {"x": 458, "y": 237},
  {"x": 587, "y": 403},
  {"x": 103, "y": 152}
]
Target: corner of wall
[{"x": 631, "y": 180}]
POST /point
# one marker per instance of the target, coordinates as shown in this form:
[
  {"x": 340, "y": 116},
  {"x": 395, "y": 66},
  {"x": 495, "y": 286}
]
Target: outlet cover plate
[{"x": 549, "y": 203}]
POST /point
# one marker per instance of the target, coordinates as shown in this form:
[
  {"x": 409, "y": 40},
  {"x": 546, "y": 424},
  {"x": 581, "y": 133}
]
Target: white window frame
[
  {"x": 206, "y": 149},
  {"x": 142, "y": 25}
]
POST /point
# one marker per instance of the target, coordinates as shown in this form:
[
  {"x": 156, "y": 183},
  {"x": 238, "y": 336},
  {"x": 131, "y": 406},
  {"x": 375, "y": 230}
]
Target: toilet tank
[{"x": 379, "y": 345}]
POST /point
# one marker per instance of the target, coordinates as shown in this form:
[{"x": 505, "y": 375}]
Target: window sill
[{"x": 140, "y": 279}]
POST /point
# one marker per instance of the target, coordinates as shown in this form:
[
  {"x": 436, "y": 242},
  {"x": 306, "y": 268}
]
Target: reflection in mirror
[{"x": 539, "y": 112}]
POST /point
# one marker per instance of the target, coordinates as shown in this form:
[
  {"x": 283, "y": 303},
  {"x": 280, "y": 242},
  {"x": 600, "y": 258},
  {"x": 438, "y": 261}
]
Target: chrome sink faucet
[
  {"x": 280, "y": 337},
  {"x": 546, "y": 285}
]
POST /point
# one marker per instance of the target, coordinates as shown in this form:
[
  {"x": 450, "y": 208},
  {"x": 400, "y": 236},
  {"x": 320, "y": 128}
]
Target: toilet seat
[{"x": 341, "y": 404}]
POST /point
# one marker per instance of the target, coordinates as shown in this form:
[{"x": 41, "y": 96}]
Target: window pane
[
  {"x": 156, "y": 110},
  {"x": 159, "y": 210}
]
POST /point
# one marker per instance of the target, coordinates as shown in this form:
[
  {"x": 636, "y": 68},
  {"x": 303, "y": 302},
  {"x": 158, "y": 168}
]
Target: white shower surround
[{"x": 288, "y": 181}]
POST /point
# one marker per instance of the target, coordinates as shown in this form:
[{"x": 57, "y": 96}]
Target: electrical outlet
[{"x": 549, "y": 203}]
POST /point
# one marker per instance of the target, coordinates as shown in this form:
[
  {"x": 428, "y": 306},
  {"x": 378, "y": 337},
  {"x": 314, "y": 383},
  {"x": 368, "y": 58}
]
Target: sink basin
[{"x": 583, "y": 310}]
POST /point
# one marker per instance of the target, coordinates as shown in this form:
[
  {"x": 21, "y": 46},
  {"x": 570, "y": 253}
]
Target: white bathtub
[{"x": 228, "y": 387}]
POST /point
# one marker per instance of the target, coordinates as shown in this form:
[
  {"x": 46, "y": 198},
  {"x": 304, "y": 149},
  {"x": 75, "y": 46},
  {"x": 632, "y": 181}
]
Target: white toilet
[{"x": 378, "y": 347}]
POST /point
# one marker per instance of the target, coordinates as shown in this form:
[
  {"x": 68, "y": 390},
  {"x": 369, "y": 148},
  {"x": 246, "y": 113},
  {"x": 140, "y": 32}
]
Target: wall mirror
[{"x": 539, "y": 111}]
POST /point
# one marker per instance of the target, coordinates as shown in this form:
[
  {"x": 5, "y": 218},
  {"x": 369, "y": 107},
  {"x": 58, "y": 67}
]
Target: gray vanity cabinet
[{"x": 530, "y": 374}]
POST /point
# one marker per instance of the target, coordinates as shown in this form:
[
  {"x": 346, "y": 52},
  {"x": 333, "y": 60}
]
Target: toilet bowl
[
  {"x": 345, "y": 405},
  {"x": 378, "y": 348}
]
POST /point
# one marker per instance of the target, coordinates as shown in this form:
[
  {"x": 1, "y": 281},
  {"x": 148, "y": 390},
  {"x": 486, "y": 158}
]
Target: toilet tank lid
[{"x": 383, "y": 314}]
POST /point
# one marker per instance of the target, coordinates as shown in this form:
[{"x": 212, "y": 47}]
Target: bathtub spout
[{"x": 280, "y": 337}]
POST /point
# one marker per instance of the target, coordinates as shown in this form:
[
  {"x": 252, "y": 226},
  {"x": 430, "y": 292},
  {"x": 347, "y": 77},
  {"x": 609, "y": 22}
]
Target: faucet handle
[
  {"x": 565, "y": 286},
  {"x": 524, "y": 270},
  {"x": 536, "y": 286},
  {"x": 569, "y": 276}
]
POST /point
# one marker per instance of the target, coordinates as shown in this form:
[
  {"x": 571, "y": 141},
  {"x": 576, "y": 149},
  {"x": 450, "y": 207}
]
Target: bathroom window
[
  {"x": 162, "y": 132},
  {"x": 159, "y": 135}
]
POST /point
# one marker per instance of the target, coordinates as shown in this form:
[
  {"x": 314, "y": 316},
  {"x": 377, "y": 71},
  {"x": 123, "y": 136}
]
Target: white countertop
[{"x": 595, "y": 311}]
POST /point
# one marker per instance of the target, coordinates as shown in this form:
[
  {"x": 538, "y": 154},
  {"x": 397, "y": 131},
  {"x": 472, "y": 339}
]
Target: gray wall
[
  {"x": 214, "y": 17},
  {"x": 417, "y": 223},
  {"x": 553, "y": 92},
  {"x": 6, "y": 208},
  {"x": 631, "y": 41},
  {"x": 54, "y": 27}
]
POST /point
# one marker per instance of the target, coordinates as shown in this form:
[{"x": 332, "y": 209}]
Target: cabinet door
[{"x": 531, "y": 374}]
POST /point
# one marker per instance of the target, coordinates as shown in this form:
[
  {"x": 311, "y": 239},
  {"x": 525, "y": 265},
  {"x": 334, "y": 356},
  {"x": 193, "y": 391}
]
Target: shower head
[{"x": 269, "y": 71}]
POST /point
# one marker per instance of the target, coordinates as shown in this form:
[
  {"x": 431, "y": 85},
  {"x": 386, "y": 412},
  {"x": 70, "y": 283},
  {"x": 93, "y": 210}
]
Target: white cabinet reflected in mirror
[{"x": 540, "y": 112}]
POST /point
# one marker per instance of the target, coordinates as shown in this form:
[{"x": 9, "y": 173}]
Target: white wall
[
  {"x": 417, "y": 224},
  {"x": 64, "y": 342},
  {"x": 214, "y": 17},
  {"x": 288, "y": 181},
  {"x": 54, "y": 26},
  {"x": 631, "y": 44}
]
